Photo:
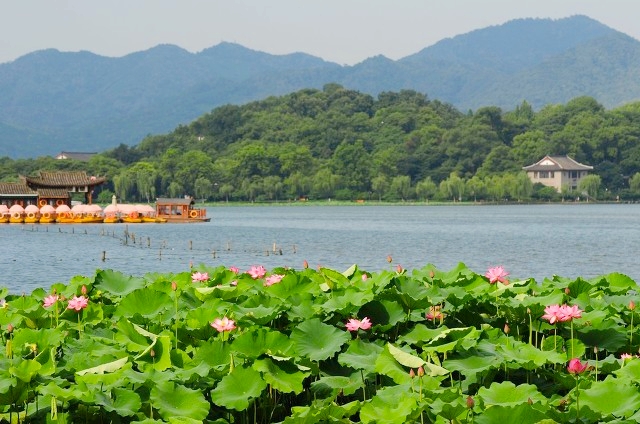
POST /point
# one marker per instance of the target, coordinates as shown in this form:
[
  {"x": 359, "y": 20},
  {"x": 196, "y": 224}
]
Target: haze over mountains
[{"x": 52, "y": 101}]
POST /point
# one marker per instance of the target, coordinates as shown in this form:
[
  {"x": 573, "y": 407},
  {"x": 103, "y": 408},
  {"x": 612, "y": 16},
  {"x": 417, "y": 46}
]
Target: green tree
[
  {"x": 203, "y": 188},
  {"x": 426, "y": 189},
  {"x": 379, "y": 185},
  {"x": 401, "y": 186},
  {"x": 590, "y": 185}
]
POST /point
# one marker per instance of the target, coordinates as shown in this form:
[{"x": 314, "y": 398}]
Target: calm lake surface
[{"x": 528, "y": 240}]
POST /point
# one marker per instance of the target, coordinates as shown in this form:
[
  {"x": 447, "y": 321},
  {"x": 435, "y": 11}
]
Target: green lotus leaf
[
  {"x": 214, "y": 353},
  {"x": 391, "y": 405},
  {"x": 346, "y": 300},
  {"x": 174, "y": 400},
  {"x": 206, "y": 313},
  {"x": 528, "y": 357},
  {"x": 404, "y": 358},
  {"x": 238, "y": 388},
  {"x": 25, "y": 370},
  {"x": 331, "y": 386},
  {"x": 620, "y": 283},
  {"x": 108, "y": 367},
  {"x": 333, "y": 278},
  {"x": 158, "y": 354},
  {"x": 317, "y": 340},
  {"x": 321, "y": 412},
  {"x": 121, "y": 401},
  {"x": 448, "y": 407},
  {"x": 473, "y": 362},
  {"x": 508, "y": 394},
  {"x": 413, "y": 294},
  {"x": 281, "y": 375},
  {"x": 292, "y": 285},
  {"x": 612, "y": 339},
  {"x": 360, "y": 355},
  {"x": 521, "y": 414},
  {"x": 387, "y": 365},
  {"x": 259, "y": 314},
  {"x": 116, "y": 283},
  {"x": 116, "y": 378},
  {"x": 146, "y": 302},
  {"x": 47, "y": 358},
  {"x": 385, "y": 313},
  {"x": 600, "y": 398},
  {"x": 630, "y": 370},
  {"x": 261, "y": 341},
  {"x": 43, "y": 339}
]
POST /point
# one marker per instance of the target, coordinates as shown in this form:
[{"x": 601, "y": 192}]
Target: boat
[
  {"x": 64, "y": 214},
  {"x": 32, "y": 214},
  {"x": 47, "y": 214},
  {"x": 180, "y": 210},
  {"x": 4, "y": 214},
  {"x": 16, "y": 214},
  {"x": 111, "y": 214},
  {"x": 87, "y": 214}
]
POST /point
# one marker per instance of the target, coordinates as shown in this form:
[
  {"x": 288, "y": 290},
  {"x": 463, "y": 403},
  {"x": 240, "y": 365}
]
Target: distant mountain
[{"x": 52, "y": 101}]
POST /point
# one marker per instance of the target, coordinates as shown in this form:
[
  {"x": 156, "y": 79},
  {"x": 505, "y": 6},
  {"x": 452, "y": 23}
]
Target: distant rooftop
[{"x": 83, "y": 156}]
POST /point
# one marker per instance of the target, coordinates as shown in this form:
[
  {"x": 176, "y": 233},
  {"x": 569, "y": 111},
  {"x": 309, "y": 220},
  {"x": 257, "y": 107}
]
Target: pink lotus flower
[
  {"x": 576, "y": 367},
  {"x": 78, "y": 303},
  {"x": 434, "y": 313},
  {"x": 552, "y": 314},
  {"x": 223, "y": 324},
  {"x": 567, "y": 313},
  {"x": 234, "y": 269},
  {"x": 564, "y": 313},
  {"x": 234, "y": 283},
  {"x": 257, "y": 272},
  {"x": 626, "y": 356},
  {"x": 200, "y": 277},
  {"x": 355, "y": 324},
  {"x": 496, "y": 274},
  {"x": 365, "y": 277},
  {"x": 273, "y": 279},
  {"x": 50, "y": 300}
]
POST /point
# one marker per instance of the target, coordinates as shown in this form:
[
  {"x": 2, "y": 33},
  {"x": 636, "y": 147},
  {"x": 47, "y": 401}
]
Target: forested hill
[
  {"x": 53, "y": 101},
  {"x": 343, "y": 144}
]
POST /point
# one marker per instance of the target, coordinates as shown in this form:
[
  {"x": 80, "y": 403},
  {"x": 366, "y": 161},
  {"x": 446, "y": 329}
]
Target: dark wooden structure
[
  {"x": 54, "y": 188},
  {"x": 180, "y": 210}
]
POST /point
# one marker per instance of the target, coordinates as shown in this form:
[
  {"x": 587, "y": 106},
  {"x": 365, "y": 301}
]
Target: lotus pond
[{"x": 220, "y": 345}]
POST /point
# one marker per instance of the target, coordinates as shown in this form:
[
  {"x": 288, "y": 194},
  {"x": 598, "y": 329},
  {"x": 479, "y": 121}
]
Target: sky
[{"x": 341, "y": 31}]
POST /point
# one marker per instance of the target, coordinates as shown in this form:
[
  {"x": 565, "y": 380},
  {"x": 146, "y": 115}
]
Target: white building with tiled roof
[{"x": 558, "y": 172}]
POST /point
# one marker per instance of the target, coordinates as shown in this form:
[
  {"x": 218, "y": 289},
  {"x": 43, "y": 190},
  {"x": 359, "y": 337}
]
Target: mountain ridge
[{"x": 81, "y": 101}]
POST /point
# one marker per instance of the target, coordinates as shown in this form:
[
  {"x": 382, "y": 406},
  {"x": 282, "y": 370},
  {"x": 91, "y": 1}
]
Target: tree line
[{"x": 341, "y": 144}]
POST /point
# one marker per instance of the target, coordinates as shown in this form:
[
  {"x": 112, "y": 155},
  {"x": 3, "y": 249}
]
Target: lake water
[{"x": 537, "y": 241}]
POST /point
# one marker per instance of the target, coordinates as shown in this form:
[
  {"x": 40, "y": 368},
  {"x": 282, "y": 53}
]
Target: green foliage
[{"x": 442, "y": 345}]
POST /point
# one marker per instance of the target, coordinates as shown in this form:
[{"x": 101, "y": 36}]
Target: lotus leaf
[
  {"x": 174, "y": 400},
  {"x": 122, "y": 401},
  {"x": 257, "y": 342},
  {"x": 145, "y": 302},
  {"x": 238, "y": 388},
  {"x": 317, "y": 340},
  {"x": 331, "y": 386},
  {"x": 391, "y": 405},
  {"x": 521, "y": 414},
  {"x": 281, "y": 375},
  {"x": 508, "y": 394},
  {"x": 599, "y": 398},
  {"x": 360, "y": 355},
  {"x": 116, "y": 283}
]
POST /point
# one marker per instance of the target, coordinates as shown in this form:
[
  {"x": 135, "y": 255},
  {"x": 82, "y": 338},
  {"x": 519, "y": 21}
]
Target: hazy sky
[{"x": 342, "y": 31}]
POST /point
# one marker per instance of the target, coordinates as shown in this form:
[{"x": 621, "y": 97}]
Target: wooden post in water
[
  {"x": 104, "y": 255},
  {"x": 190, "y": 244},
  {"x": 160, "y": 254},
  {"x": 213, "y": 253},
  {"x": 148, "y": 241},
  {"x": 295, "y": 249}
]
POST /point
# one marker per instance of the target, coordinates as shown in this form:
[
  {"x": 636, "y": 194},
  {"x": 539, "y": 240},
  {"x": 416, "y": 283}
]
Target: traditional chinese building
[
  {"x": 558, "y": 172},
  {"x": 49, "y": 188}
]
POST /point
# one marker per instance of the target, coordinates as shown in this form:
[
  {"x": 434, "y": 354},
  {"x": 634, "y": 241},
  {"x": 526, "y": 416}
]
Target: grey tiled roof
[
  {"x": 64, "y": 179},
  {"x": 559, "y": 163},
  {"x": 16, "y": 189}
]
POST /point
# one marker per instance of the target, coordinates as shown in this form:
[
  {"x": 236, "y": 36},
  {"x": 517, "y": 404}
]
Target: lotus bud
[
  {"x": 152, "y": 353},
  {"x": 305, "y": 264},
  {"x": 470, "y": 402},
  {"x": 530, "y": 401},
  {"x": 528, "y": 311},
  {"x": 506, "y": 328},
  {"x": 432, "y": 274},
  {"x": 83, "y": 290},
  {"x": 632, "y": 305},
  {"x": 567, "y": 291},
  {"x": 420, "y": 371},
  {"x": 174, "y": 286},
  {"x": 389, "y": 258},
  {"x": 10, "y": 328},
  {"x": 399, "y": 269},
  {"x": 411, "y": 373}
]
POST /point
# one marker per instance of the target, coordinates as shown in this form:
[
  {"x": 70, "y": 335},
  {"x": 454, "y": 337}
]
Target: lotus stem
[{"x": 631, "y": 334}]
